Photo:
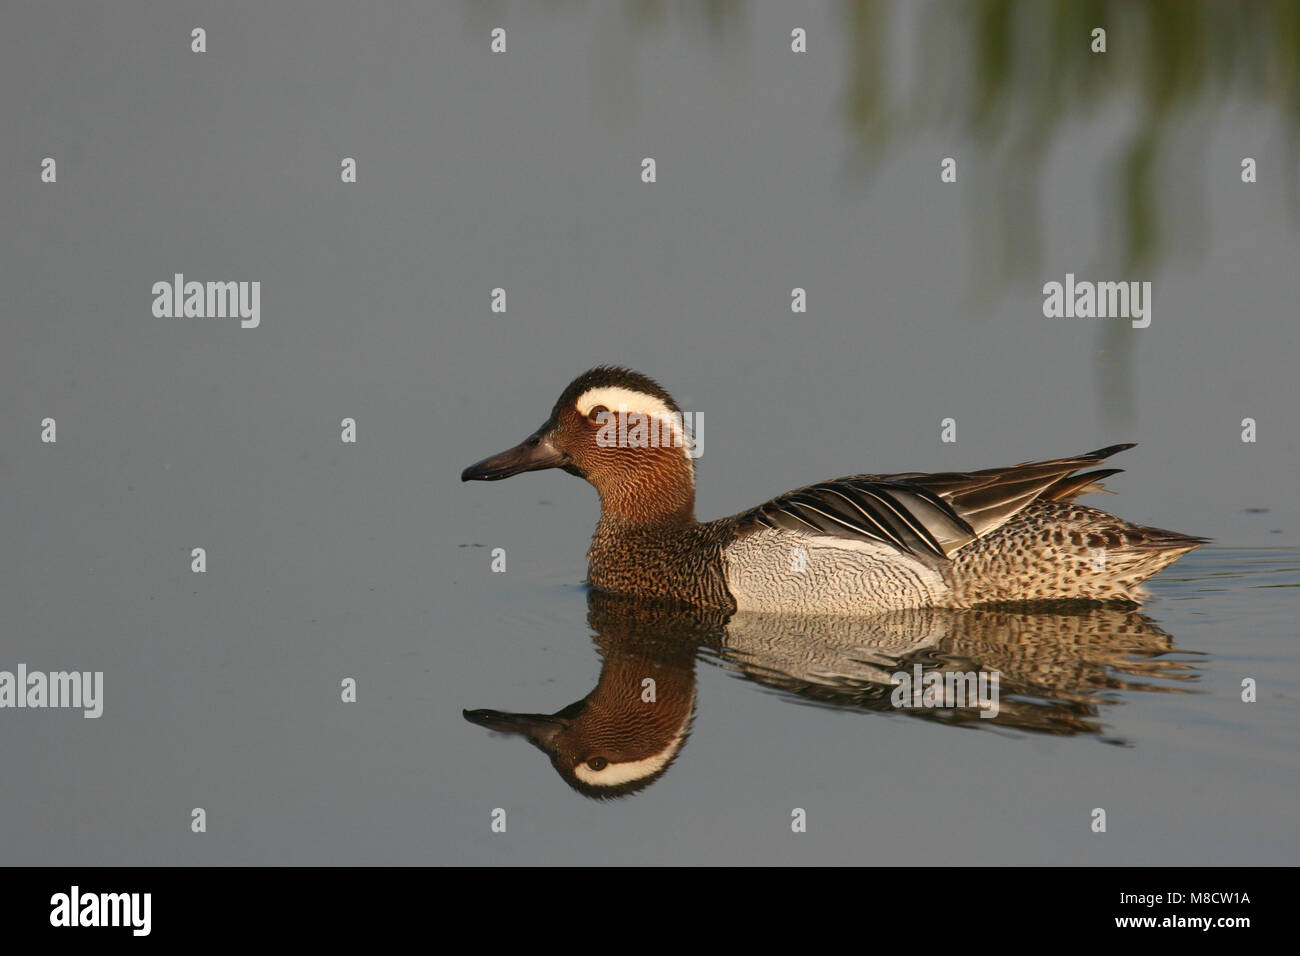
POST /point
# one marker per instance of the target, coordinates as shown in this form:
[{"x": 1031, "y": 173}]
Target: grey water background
[{"x": 521, "y": 170}]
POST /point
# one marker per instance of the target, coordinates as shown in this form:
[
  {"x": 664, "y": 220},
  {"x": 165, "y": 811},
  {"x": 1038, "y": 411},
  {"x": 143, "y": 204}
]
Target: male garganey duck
[{"x": 855, "y": 545}]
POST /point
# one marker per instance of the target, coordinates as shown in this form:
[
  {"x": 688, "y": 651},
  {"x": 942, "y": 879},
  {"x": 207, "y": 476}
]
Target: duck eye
[
  {"x": 597, "y": 763},
  {"x": 596, "y": 412}
]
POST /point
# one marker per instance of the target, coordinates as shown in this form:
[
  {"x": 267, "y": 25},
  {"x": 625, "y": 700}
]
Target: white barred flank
[{"x": 835, "y": 575}]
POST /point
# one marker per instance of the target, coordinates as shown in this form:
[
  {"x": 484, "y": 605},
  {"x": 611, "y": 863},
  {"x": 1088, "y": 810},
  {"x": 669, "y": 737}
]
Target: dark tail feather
[
  {"x": 1072, "y": 486},
  {"x": 1101, "y": 454}
]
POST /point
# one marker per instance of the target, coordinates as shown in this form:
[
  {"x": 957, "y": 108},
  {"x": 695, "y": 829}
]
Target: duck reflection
[
  {"x": 1040, "y": 670},
  {"x": 626, "y": 733}
]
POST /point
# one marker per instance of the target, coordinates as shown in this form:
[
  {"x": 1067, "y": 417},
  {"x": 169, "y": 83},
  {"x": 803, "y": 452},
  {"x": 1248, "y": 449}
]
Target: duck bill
[
  {"x": 539, "y": 729},
  {"x": 532, "y": 454}
]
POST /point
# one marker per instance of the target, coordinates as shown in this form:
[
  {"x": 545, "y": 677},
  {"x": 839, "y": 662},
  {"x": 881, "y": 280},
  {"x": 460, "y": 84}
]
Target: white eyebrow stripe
[{"x": 619, "y": 399}]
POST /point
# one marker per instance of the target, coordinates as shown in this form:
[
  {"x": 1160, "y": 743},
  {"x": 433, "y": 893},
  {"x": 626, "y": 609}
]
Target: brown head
[{"x": 623, "y": 433}]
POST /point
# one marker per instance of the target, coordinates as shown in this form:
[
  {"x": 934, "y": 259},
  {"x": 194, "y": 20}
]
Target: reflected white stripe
[{"x": 616, "y": 774}]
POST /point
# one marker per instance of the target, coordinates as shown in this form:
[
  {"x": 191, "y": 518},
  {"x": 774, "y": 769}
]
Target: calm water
[
  {"x": 1135, "y": 711},
  {"x": 776, "y": 170}
]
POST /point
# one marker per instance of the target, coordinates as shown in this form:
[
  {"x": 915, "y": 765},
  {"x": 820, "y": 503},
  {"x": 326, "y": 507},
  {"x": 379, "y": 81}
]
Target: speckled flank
[
  {"x": 765, "y": 571},
  {"x": 1047, "y": 553}
]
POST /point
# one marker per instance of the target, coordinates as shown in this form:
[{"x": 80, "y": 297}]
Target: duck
[{"x": 858, "y": 545}]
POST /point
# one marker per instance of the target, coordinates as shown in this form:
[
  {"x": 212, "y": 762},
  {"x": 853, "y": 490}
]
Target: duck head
[{"x": 622, "y": 432}]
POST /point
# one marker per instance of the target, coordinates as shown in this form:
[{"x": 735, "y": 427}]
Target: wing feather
[{"x": 928, "y": 516}]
